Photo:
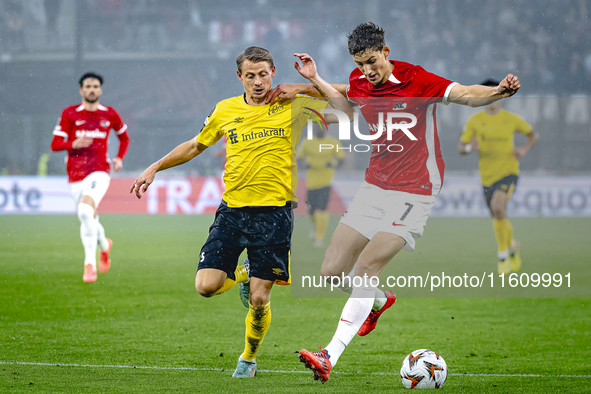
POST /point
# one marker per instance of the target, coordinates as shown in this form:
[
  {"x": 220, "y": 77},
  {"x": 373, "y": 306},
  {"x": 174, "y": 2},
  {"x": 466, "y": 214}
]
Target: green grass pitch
[{"x": 142, "y": 327}]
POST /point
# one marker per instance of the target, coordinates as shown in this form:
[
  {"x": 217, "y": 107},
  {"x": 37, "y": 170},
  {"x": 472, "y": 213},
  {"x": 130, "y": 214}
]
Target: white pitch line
[
  {"x": 137, "y": 367},
  {"x": 281, "y": 371},
  {"x": 108, "y": 366}
]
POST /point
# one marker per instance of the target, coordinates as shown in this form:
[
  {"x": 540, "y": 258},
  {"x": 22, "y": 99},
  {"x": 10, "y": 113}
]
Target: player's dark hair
[
  {"x": 90, "y": 75},
  {"x": 490, "y": 82},
  {"x": 255, "y": 55},
  {"x": 366, "y": 37}
]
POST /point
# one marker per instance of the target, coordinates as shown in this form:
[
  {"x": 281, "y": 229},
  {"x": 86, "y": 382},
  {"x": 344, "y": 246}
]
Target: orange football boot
[
  {"x": 104, "y": 261},
  {"x": 372, "y": 320},
  {"x": 318, "y": 362},
  {"x": 89, "y": 273}
]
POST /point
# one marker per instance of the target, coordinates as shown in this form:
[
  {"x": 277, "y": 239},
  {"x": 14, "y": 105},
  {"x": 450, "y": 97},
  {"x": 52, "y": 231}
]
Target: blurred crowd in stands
[
  {"x": 547, "y": 42},
  {"x": 167, "y": 62}
]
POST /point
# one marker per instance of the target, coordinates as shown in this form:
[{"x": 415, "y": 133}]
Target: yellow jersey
[
  {"x": 260, "y": 148},
  {"x": 321, "y": 163},
  {"x": 495, "y": 143}
]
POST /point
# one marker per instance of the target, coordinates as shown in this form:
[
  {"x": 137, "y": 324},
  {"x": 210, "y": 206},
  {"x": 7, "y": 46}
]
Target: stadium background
[{"x": 165, "y": 64}]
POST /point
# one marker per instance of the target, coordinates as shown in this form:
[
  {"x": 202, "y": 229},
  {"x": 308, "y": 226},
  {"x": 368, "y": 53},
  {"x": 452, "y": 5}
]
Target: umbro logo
[
  {"x": 238, "y": 120},
  {"x": 278, "y": 271},
  {"x": 79, "y": 122}
]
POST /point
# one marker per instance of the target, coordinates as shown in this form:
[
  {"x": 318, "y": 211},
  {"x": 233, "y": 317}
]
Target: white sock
[
  {"x": 100, "y": 235},
  {"x": 245, "y": 360},
  {"x": 354, "y": 314},
  {"x": 380, "y": 300},
  {"x": 346, "y": 286},
  {"x": 88, "y": 232},
  {"x": 346, "y": 283}
]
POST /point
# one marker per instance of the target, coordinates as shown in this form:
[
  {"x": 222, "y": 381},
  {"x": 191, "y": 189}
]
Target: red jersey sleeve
[
  {"x": 117, "y": 123},
  {"x": 123, "y": 145},
  {"x": 431, "y": 85},
  {"x": 352, "y": 91},
  {"x": 61, "y": 133},
  {"x": 121, "y": 132}
]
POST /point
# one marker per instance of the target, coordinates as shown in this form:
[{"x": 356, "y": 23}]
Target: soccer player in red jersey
[
  {"x": 391, "y": 207},
  {"x": 83, "y": 130}
]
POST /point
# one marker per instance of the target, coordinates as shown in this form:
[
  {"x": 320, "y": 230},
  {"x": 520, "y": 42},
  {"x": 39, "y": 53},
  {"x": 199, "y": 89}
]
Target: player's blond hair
[{"x": 255, "y": 55}]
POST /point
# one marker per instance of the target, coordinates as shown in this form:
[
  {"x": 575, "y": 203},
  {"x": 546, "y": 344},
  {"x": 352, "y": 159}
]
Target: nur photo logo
[{"x": 388, "y": 123}]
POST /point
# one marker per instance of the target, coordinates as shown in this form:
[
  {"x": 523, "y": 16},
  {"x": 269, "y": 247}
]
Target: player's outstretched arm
[
  {"x": 179, "y": 155},
  {"x": 335, "y": 98},
  {"x": 478, "y": 95},
  {"x": 287, "y": 91}
]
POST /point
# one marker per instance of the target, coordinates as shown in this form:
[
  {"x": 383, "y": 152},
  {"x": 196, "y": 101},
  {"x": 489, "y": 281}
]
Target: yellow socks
[
  {"x": 321, "y": 219},
  {"x": 504, "y": 235},
  {"x": 241, "y": 276},
  {"x": 257, "y": 322},
  {"x": 509, "y": 236}
]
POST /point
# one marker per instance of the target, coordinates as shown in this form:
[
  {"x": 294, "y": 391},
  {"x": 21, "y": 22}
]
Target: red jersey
[
  {"x": 411, "y": 160},
  {"x": 76, "y": 122}
]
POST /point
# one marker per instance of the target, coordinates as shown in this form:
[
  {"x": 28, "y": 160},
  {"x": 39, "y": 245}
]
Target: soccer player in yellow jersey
[
  {"x": 256, "y": 211},
  {"x": 320, "y": 156},
  {"x": 491, "y": 133}
]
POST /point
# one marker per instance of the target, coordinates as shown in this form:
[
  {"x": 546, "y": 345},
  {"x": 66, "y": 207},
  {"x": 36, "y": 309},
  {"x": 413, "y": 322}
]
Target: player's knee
[
  {"x": 498, "y": 212},
  {"x": 205, "y": 289},
  {"x": 206, "y": 292},
  {"x": 85, "y": 212},
  {"x": 259, "y": 298}
]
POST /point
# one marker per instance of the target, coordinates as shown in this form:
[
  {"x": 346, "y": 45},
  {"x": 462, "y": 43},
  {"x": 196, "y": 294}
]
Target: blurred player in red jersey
[
  {"x": 391, "y": 207},
  {"x": 83, "y": 130}
]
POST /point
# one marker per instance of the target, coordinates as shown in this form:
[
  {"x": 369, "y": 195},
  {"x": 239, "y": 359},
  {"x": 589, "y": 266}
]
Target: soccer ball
[{"x": 423, "y": 369}]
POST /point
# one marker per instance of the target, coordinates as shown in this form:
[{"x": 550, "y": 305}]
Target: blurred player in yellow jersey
[
  {"x": 320, "y": 156},
  {"x": 256, "y": 210},
  {"x": 490, "y": 132}
]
